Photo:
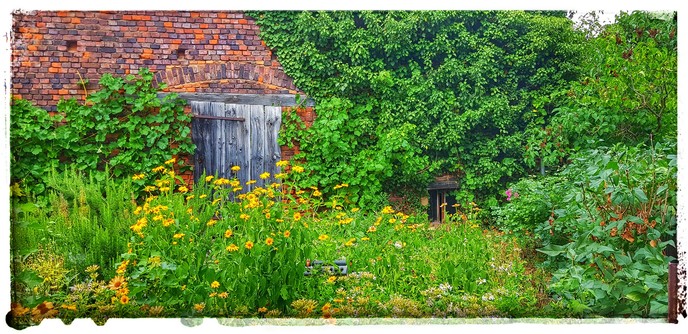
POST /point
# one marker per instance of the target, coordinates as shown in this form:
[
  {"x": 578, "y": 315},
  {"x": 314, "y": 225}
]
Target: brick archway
[{"x": 193, "y": 77}]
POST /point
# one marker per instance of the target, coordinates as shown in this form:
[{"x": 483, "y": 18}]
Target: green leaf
[
  {"x": 635, "y": 296},
  {"x": 552, "y": 250},
  {"x": 640, "y": 195}
]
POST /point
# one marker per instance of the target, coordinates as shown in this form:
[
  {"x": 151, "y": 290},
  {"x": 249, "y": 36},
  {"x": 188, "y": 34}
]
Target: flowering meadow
[{"x": 220, "y": 248}]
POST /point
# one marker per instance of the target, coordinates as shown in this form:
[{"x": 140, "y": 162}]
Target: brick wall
[
  {"x": 219, "y": 52},
  {"x": 201, "y": 51}
]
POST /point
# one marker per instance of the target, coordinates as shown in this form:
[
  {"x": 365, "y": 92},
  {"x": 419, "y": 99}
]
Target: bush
[
  {"x": 609, "y": 239},
  {"x": 529, "y": 203}
]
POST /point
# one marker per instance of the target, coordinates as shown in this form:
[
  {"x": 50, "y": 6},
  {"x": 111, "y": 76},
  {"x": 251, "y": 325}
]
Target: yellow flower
[
  {"x": 343, "y": 185},
  {"x": 215, "y": 284},
  {"x": 298, "y": 169},
  {"x": 244, "y": 216},
  {"x": 68, "y": 307},
  {"x": 297, "y": 216},
  {"x": 190, "y": 197},
  {"x": 326, "y": 307},
  {"x": 183, "y": 287},
  {"x": 337, "y": 300},
  {"x": 331, "y": 279},
  {"x": 264, "y": 175},
  {"x": 199, "y": 307},
  {"x": 164, "y": 189},
  {"x": 387, "y": 210},
  {"x": 124, "y": 299},
  {"x": 178, "y": 235},
  {"x": 267, "y": 215},
  {"x": 183, "y": 189},
  {"x": 228, "y": 233},
  {"x": 280, "y": 175},
  {"x": 355, "y": 210},
  {"x": 209, "y": 178},
  {"x": 235, "y": 168},
  {"x": 159, "y": 169},
  {"x": 138, "y": 176},
  {"x": 317, "y": 193},
  {"x": 262, "y": 310},
  {"x": 167, "y": 222},
  {"x": 287, "y": 234},
  {"x": 122, "y": 267},
  {"x": 171, "y": 161},
  {"x": 250, "y": 182},
  {"x": 269, "y": 241},
  {"x": 211, "y": 222},
  {"x": 203, "y": 196},
  {"x": 212, "y": 294},
  {"x": 149, "y": 188},
  {"x": 365, "y": 239},
  {"x": 392, "y": 220},
  {"x": 282, "y": 163},
  {"x": 117, "y": 282},
  {"x": 248, "y": 244},
  {"x": 92, "y": 268},
  {"x": 323, "y": 237},
  {"x": 232, "y": 248},
  {"x": 223, "y": 295},
  {"x": 372, "y": 229},
  {"x": 154, "y": 261}
]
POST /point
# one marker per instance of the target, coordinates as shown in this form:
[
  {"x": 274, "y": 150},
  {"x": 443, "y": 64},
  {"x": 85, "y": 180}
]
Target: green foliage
[
  {"x": 339, "y": 147},
  {"x": 33, "y": 144},
  {"x": 80, "y": 214},
  {"x": 608, "y": 237},
  {"x": 530, "y": 204},
  {"x": 457, "y": 88},
  {"x": 627, "y": 93},
  {"x": 292, "y": 128},
  {"x": 123, "y": 125}
]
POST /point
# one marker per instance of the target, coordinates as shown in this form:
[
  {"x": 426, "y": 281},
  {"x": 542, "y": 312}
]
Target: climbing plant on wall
[
  {"x": 123, "y": 125},
  {"x": 402, "y": 96}
]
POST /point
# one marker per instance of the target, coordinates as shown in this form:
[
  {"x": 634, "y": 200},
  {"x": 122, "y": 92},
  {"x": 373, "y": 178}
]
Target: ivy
[
  {"x": 124, "y": 126},
  {"x": 403, "y": 96}
]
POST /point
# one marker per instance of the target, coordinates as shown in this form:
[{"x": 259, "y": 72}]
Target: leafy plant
[
  {"x": 610, "y": 239},
  {"x": 123, "y": 125},
  {"x": 627, "y": 93},
  {"x": 451, "y": 91}
]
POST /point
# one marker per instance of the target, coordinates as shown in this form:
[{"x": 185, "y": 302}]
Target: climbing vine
[
  {"x": 403, "y": 96},
  {"x": 123, "y": 126}
]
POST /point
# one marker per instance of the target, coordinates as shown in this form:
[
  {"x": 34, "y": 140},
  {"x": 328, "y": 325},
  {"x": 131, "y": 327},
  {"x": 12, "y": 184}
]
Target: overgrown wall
[{"x": 201, "y": 52}]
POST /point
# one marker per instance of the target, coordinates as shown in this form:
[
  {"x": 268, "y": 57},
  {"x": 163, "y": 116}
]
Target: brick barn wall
[{"x": 192, "y": 51}]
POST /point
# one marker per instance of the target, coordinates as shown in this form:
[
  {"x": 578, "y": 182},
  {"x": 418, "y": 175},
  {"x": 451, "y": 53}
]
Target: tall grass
[{"x": 85, "y": 218}]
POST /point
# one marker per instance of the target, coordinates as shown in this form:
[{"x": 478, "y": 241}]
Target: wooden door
[{"x": 241, "y": 135}]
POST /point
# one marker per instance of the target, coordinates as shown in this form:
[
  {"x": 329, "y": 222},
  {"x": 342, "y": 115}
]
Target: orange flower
[
  {"x": 117, "y": 282},
  {"x": 287, "y": 234},
  {"x": 248, "y": 244},
  {"x": 124, "y": 299},
  {"x": 269, "y": 241}
]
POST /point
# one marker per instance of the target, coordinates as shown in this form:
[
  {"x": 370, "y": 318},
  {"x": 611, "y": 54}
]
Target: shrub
[
  {"x": 611, "y": 233},
  {"x": 529, "y": 202}
]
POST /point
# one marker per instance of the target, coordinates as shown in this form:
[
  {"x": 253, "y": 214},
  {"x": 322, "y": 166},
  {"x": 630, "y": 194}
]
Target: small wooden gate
[{"x": 241, "y": 135}]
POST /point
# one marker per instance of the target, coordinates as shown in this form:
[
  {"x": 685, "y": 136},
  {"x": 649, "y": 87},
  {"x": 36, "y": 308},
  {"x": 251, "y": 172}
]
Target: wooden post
[{"x": 672, "y": 315}]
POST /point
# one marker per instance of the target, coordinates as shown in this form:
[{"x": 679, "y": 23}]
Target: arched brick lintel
[{"x": 215, "y": 71}]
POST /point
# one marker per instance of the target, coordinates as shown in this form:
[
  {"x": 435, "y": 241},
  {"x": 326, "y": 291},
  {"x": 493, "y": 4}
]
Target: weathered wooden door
[{"x": 241, "y": 135}]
